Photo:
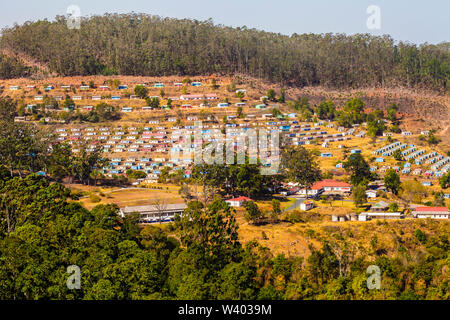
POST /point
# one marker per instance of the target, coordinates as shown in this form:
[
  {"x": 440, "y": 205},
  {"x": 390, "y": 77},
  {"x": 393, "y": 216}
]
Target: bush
[
  {"x": 420, "y": 235},
  {"x": 94, "y": 198}
]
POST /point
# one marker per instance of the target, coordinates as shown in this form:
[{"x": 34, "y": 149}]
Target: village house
[
  {"x": 371, "y": 194},
  {"x": 328, "y": 186},
  {"x": 238, "y": 202},
  {"x": 307, "y": 205},
  {"x": 366, "y": 216},
  {"x": 210, "y": 96},
  {"x": 380, "y": 207}
]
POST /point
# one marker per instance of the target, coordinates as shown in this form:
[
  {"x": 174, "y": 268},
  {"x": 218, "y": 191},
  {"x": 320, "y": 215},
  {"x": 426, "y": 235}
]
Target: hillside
[{"x": 139, "y": 44}]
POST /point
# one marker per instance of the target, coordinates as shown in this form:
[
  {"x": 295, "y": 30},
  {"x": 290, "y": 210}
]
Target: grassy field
[
  {"x": 295, "y": 238},
  {"x": 128, "y": 196}
]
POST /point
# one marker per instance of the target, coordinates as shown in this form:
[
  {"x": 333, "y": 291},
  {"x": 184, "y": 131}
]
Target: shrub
[{"x": 94, "y": 198}]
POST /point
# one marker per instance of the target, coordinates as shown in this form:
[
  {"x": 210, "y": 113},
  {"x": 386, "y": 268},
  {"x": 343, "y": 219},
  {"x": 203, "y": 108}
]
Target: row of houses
[
  {"x": 154, "y": 145},
  {"x": 103, "y": 87}
]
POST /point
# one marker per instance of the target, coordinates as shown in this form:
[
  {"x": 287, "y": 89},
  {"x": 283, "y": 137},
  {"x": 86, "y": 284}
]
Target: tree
[
  {"x": 153, "y": 102},
  {"x": 432, "y": 139},
  {"x": 22, "y": 147},
  {"x": 282, "y": 97},
  {"x": 141, "y": 91},
  {"x": 358, "y": 168},
  {"x": 413, "y": 191},
  {"x": 326, "y": 110},
  {"x": 398, "y": 155},
  {"x": 421, "y": 236},
  {"x": 276, "y": 209},
  {"x": 240, "y": 114},
  {"x": 253, "y": 214},
  {"x": 236, "y": 282},
  {"x": 353, "y": 113},
  {"x": 300, "y": 166},
  {"x": 8, "y": 109},
  {"x": 214, "y": 84},
  {"x": 444, "y": 181},
  {"x": 161, "y": 205},
  {"x": 212, "y": 233},
  {"x": 271, "y": 95},
  {"x": 393, "y": 207},
  {"x": 240, "y": 95},
  {"x": 439, "y": 200},
  {"x": 276, "y": 113},
  {"x": 359, "y": 194},
  {"x": 392, "y": 112},
  {"x": 300, "y": 60},
  {"x": 392, "y": 181}
]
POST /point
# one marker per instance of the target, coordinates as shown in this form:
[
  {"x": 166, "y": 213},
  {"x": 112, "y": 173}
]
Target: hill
[{"x": 139, "y": 44}]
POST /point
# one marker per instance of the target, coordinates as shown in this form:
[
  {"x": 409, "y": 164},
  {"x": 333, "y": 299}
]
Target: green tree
[
  {"x": 141, "y": 91},
  {"x": 8, "y": 109},
  {"x": 253, "y": 214},
  {"x": 359, "y": 195},
  {"x": 392, "y": 181},
  {"x": 271, "y": 95},
  {"x": 276, "y": 209},
  {"x": 444, "y": 181},
  {"x": 358, "y": 168},
  {"x": 300, "y": 166}
]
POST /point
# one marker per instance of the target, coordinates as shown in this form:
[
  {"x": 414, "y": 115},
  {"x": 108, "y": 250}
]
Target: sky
[{"x": 415, "y": 21}]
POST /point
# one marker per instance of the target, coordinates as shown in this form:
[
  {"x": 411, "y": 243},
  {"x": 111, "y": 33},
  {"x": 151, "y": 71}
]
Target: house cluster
[
  {"x": 304, "y": 134},
  {"x": 84, "y": 87},
  {"x": 154, "y": 147},
  {"x": 439, "y": 164}
]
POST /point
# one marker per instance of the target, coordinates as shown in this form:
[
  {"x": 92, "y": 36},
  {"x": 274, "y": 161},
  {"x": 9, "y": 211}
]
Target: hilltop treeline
[
  {"x": 12, "y": 68},
  {"x": 139, "y": 44}
]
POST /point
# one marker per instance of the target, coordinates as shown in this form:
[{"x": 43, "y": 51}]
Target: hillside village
[
  {"x": 153, "y": 158},
  {"x": 142, "y": 138}
]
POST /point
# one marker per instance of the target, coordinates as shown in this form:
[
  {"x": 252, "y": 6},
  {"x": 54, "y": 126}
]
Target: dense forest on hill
[
  {"x": 12, "y": 68},
  {"x": 139, "y": 44}
]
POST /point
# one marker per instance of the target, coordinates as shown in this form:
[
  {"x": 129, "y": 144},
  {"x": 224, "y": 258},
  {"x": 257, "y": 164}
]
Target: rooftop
[
  {"x": 329, "y": 183},
  {"x": 154, "y": 208},
  {"x": 240, "y": 199}
]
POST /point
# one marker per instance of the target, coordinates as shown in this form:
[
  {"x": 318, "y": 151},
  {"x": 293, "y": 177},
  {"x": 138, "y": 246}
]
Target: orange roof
[
  {"x": 329, "y": 183},
  {"x": 438, "y": 209},
  {"x": 240, "y": 199}
]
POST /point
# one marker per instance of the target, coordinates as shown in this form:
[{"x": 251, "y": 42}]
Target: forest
[
  {"x": 43, "y": 231},
  {"x": 146, "y": 45}
]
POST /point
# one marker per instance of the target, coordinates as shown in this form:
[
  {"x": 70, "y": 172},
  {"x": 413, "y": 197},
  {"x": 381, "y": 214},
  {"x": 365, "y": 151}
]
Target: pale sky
[{"x": 416, "y": 21}]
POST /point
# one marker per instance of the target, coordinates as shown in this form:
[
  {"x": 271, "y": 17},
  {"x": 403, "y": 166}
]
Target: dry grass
[{"x": 131, "y": 197}]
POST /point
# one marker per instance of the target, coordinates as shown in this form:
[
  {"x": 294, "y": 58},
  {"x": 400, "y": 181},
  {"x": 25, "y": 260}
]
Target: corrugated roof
[
  {"x": 432, "y": 209},
  {"x": 154, "y": 208}
]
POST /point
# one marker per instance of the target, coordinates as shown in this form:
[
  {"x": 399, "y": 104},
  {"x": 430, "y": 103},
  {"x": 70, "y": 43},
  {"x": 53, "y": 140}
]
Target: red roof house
[
  {"x": 328, "y": 185},
  {"x": 432, "y": 212},
  {"x": 237, "y": 202}
]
